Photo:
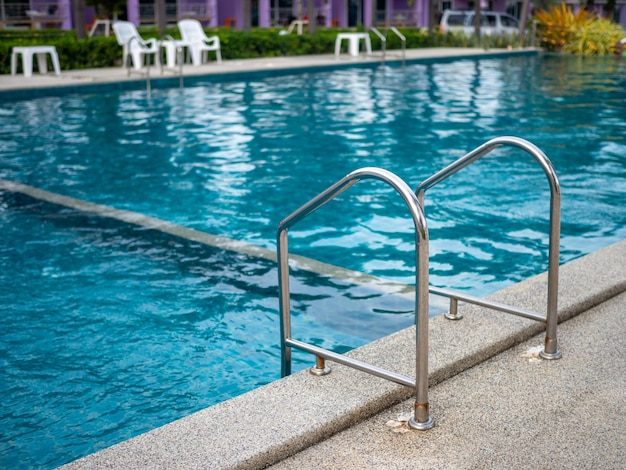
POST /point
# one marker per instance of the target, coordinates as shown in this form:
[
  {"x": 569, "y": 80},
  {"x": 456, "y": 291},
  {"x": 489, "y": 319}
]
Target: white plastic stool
[
  {"x": 171, "y": 51},
  {"x": 27, "y": 59}
]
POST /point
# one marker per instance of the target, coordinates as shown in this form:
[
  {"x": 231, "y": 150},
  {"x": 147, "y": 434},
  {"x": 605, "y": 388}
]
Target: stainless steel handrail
[
  {"x": 456, "y": 296},
  {"x": 551, "y": 350},
  {"x": 129, "y": 61},
  {"x": 383, "y": 40},
  {"x": 421, "y": 419},
  {"x": 403, "y": 39},
  {"x": 179, "y": 57}
]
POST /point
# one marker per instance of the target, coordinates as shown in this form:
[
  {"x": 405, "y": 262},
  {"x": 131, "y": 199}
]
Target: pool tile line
[{"x": 297, "y": 262}]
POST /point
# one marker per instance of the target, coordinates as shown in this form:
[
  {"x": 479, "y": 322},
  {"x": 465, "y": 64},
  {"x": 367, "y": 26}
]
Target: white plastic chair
[
  {"x": 133, "y": 45},
  {"x": 199, "y": 44}
]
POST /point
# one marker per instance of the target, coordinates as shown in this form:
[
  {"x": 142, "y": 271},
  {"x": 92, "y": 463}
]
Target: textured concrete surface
[
  {"x": 283, "y": 418},
  {"x": 512, "y": 411}
]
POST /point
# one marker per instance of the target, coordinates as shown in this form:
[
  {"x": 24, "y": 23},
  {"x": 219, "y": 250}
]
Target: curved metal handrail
[
  {"x": 383, "y": 41},
  {"x": 394, "y": 30},
  {"x": 421, "y": 419},
  {"x": 551, "y": 345},
  {"x": 179, "y": 56},
  {"x": 141, "y": 44}
]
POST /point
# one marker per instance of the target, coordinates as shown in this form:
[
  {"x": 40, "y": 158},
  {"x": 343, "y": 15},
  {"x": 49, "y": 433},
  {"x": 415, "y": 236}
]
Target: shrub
[
  {"x": 102, "y": 51},
  {"x": 581, "y": 33},
  {"x": 597, "y": 38}
]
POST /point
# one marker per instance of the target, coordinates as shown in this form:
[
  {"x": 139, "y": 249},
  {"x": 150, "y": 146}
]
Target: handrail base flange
[
  {"x": 320, "y": 371},
  {"x": 421, "y": 426},
  {"x": 551, "y": 356}
]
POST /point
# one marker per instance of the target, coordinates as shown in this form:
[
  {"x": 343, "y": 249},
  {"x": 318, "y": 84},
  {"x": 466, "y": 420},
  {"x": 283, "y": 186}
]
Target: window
[
  {"x": 488, "y": 20},
  {"x": 456, "y": 19},
  {"x": 507, "y": 21}
]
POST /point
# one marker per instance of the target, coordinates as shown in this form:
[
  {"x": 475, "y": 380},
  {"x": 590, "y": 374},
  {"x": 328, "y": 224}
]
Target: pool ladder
[
  {"x": 179, "y": 57},
  {"x": 383, "y": 41},
  {"x": 414, "y": 201}
]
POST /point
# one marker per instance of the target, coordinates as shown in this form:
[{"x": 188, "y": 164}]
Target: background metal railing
[{"x": 383, "y": 41}]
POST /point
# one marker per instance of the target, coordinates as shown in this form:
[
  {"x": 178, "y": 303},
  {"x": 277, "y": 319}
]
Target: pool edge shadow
[{"x": 280, "y": 419}]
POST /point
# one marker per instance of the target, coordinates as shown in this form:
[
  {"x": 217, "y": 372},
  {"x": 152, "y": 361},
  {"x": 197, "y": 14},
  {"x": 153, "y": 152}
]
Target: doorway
[{"x": 355, "y": 13}]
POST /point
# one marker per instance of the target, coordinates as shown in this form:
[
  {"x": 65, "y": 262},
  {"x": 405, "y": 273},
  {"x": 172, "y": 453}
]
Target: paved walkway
[
  {"x": 512, "y": 411},
  {"x": 72, "y": 78}
]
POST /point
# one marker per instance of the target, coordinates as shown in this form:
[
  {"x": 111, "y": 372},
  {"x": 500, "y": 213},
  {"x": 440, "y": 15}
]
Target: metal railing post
[
  {"x": 129, "y": 57},
  {"x": 421, "y": 419},
  {"x": 551, "y": 350},
  {"x": 285, "y": 302},
  {"x": 403, "y": 39},
  {"x": 383, "y": 42},
  {"x": 179, "y": 57}
]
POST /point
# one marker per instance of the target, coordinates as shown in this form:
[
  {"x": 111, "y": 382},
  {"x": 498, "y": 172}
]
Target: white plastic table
[
  {"x": 353, "y": 43},
  {"x": 27, "y": 59},
  {"x": 171, "y": 51}
]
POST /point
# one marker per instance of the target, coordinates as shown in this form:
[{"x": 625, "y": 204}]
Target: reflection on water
[
  {"x": 234, "y": 158},
  {"x": 110, "y": 330}
]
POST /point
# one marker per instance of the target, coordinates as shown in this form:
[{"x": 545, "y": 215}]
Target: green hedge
[{"x": 261, "y": 42}]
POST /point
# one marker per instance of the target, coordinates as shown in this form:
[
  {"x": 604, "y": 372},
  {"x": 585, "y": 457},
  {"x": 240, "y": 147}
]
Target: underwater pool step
[{"x": 297, "y": 262}]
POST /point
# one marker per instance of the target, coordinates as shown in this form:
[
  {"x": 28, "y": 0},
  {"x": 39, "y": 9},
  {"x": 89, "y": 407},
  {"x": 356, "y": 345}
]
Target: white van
[{"x": 491, "y": 22}]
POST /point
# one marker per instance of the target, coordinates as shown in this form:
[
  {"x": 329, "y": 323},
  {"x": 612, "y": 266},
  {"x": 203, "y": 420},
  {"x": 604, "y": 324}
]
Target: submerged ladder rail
[
  {"x": 421, "y": 419},
  {"x": 551, "y": 350}
]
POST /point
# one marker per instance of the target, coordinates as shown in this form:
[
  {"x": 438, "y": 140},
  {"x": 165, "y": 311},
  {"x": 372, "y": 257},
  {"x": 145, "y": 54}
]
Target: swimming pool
[{"x": 233, "y": 159}]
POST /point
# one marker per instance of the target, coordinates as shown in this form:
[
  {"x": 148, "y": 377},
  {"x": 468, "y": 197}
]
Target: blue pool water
[{"x": 111, "y": 330}]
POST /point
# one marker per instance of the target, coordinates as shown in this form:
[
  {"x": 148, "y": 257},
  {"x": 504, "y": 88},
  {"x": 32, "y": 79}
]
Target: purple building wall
[
  {"x": 339, "y": 11},
  {"x": 132, "y": 11},
  {"x": 334, "y": 12},
  {"x": 499, "y": 5},
  {"x": 265, "y": 9},
  {"x": 66, "y": 9},
  {"x": 229, "y": 9},
  {"x": 368, "y": 18},
  {"x": 398, "y": 12}
]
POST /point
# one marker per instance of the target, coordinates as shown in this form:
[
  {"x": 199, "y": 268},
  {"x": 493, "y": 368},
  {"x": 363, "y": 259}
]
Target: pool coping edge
[
  {"x": 110, "y": 79},
  {"x": 271, "y": 423}
]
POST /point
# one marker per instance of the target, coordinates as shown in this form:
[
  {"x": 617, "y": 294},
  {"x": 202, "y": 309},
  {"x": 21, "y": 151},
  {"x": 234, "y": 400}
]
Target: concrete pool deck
[
  {"x": 86, "y": 77},
  {"x": 494, "y": 404}
]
